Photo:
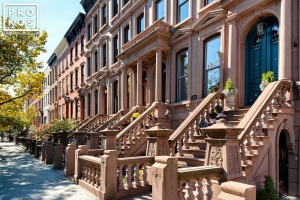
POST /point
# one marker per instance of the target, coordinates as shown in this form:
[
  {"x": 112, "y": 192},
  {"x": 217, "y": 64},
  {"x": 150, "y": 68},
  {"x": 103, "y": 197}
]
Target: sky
[{"x": 55, "y": 17}]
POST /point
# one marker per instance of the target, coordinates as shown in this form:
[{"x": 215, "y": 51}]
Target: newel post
[
  {"x": 70, "y": 160},
  {"x": 93, "y": 140},
  {"x": 223, "y": 148},
  {"x": 79, "y": 138},
  {"x": 164, "y": 178},
  {"x": 109, "y": 138},
  {"x": 108, "y": 187},
  {"x": 157, "y": 141},
  {"x": 48, "y": 152},
  {"x": 82, "y": 150},
  {"x": 58, "y": 151}
]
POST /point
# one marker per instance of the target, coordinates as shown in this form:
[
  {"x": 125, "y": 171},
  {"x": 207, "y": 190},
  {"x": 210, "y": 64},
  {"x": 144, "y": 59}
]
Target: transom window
[
  {"x": 182, "y": 64},
  {"x": 212, "y": 64},
  {"x": 160, "y": 10},
  {"x": 140, "y": 23},
  {"x": 183, "y": 10}
]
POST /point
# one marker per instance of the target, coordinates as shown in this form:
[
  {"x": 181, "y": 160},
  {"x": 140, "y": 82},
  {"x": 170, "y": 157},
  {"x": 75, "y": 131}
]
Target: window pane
[
  {"x": 212, "y": 53},
  {"x": 183, "y": 11},
  {"x": 140, "y": 23},
  {"x": 208, "y": 2},
  {"x": 126, "y": 34},
  {"x": 213, "y": 80},
  {"x": 160, "y": 10},
  {"x": 182, "y": 63},
  {"x": 182, "y": 75},
  {"x": 183, "y": 88}
]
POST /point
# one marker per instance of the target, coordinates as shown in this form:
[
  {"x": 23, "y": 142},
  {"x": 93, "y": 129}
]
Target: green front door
[{"x": 261, "y": 56}]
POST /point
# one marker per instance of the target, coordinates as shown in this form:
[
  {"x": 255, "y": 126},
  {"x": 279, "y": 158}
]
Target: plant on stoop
[
  {"x": 266, "y": 78},
  {"x": 269, "y": 191},
  {"x": 230, "y": 91},
  {"x": 219, "y": 110}
]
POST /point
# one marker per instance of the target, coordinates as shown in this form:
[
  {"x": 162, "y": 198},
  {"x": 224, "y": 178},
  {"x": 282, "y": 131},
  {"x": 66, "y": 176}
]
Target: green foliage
[
  {"x": 269, "y": 192},
  {"x": 268, "y": 77},
  {"x": 229, "y": 89}
]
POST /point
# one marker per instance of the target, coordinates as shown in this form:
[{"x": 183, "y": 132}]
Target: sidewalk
[{"x": 24, "y": 177}]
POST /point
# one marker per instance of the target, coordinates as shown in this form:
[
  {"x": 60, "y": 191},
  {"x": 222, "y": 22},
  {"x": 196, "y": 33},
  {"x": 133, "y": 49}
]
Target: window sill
[
  {"x": 103, "y": 28},
  {"x": 183, "y": 23},
  {"x": 114, "y": 19}
]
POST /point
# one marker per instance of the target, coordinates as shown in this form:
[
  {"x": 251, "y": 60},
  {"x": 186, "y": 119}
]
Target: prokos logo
[{"x": 26, "y": 15}]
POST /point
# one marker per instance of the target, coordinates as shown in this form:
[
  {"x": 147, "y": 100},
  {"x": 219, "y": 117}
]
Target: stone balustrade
[
  {"x": 111, "y": 121},
  {"x": 95, "y": 152},
  {"x": 91, "y": 170},
  {"x": 95, "y": 123},
  {"x": 190, "y": 126},
  {"x": 119, "y": 124}
]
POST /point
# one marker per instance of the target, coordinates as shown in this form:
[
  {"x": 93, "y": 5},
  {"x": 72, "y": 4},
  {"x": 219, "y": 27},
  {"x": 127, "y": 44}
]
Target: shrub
[
  {"x": 229, "y": 88},
  {"x": 269, "y": 191}
]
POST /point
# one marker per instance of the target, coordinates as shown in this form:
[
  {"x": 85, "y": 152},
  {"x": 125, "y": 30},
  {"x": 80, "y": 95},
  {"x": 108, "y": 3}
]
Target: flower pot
[{"x": 230, "y": 102}]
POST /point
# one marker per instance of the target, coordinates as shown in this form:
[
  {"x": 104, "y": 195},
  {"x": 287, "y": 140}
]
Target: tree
[{"x": 19, "y": 70}]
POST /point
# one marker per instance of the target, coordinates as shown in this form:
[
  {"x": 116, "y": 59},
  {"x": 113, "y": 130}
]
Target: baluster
[
  {"x": 173, "y": 150},
  {"x": 253, "y": 136},
  {"x": 207, "y": 189},
  {"x": 180, "y": 190},
  {"x": 136, "y": 176},
  {"x": 185, "y": 140},
  {"x": 191, "y": 133},
  {"x": 89, "y": 178},
  {"x": 144, "y": 175},
  {"x": 93, "y": 175},
  {"x": 83, "y": 176},
  {"x": 189, "y": 195},
  {"x": 98, "y": 174},
  {"x": 283, "y": 94},
  {"x": 179, "y": 146},
  {"x": 242, "y": 152},
  {"x": 264, "y": 118},
  {"x": 129, "y": 176},
  {"x": 120, "y": 177},
  {"x": 199, "y": 193},
  {"x": 247, "y": 144},
  {"x": 129, "y": 138},
  {"x": 279, "y": 97},
  {"x": 259, "y": 127},
  {"x": 134, "y": 132}
]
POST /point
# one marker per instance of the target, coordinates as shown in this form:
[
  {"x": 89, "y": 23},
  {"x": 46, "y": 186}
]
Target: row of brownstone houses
[{"x": 165, "y": 59}]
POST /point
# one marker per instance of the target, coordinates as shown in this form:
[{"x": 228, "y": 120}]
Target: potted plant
[
  {"x": 219, "y": 110},
  {"x": 135, "y": 115},
  {"x": 212, "y": 115},
  {"x": 266, "y": 78},
  {"x": 230, "y": 91}
]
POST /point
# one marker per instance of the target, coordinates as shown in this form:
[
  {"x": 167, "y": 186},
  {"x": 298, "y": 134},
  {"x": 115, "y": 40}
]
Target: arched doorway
[
  {"x": 283, "y": 164},
  {"x": 261, "y": 56}
]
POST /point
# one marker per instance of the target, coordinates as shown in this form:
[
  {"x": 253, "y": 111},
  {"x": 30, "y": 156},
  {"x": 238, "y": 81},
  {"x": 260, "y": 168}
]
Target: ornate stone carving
[
  {"x": 216, "y": 156},
  {"x": 151, "y": 149},
  {"x": 233, "y": 160}
]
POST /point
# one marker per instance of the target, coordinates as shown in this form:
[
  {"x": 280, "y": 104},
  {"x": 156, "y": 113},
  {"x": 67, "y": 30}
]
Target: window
[
  {"x": 140, "y": 23},
  {"x": 76, "y": 77},
  {"x": 62, "y": 85},
  {"x": 62, "y": 65},
  {"x": 71, "y": 110},
  {"x": 71, "y": 81},
  {"x": 95, "y": 24},
  {"x": 89, "y": 32},
  {"x": 89, "y": 104},
  {"x": 125, "y": 2},
  {"x": 182, "y": 64},
  {"x": 76, "y": 49},
  {"x": 183, "y": 10},
  {"x": 67, "y": 86},
  {"x": 82, "y": 43},
  {"x": 82, "y": 74},
  {"x": 126, "y": 34},
  {"x": 115, "y": 7},
  {"x": 115, "y": 48},
  {"x": 104, "y": 55},
  {"x": 160, "y": 10},
  {"x": 212, "y": 64},
  {"x": 89, "y": 67},
  {"x": 96, "y": 61},
  {"x": 67, "y": 61},
  {"x": 104, "y": 15},
  {"x": 71, "y": 55},
  {"x": 96, "y": 102},
  {"x": 208, "y": 2}
]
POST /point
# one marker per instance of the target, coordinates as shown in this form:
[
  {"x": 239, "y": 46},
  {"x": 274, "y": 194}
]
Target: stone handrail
[
  {"x": 189, "y": 126},
  {"x": 80, "y": 124},
  {"x": 191, "y": 181},
  {"x": 91, "y": 170},
  {"x": 95, "y": 152},
  {"x": 156, "y": 25},
  {"x": 95, "y": 122},
  {"x": 261, "y": 114},
  {"x": 111, "y": 121},
  {"x": 91, "y": 119},
  {"x": 134, "y": 130},
  {"x": 125, "y": 117},
  {"x": 135, "y": 169}
]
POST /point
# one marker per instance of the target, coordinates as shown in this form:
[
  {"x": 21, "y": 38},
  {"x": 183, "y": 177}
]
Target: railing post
[
  {"x": 164, "y": 178},
  {"x": 235, "y": 190},
  {"x": 223, "y": 149},
  {"x": 82, "y": 150},
  {"x": 49, "y": 152},
  {"x": 157, "y": 141},
  {"x": 79, "y": 138},
  {"x": 58, "y": 151},
  {"x": 109, "y": 137},
  {"x": 62, "y": 137},
  {"x": 108, "y": 187},
  {"x": 93, "y": 140},
  {"x": 43, "y": 154},
  {"x": 70, "y": 160}
]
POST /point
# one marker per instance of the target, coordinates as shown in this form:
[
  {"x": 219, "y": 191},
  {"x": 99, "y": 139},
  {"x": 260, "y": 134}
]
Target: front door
[
  {"x": 283, "y": 165},
  {"x": 261, "y": 56}
]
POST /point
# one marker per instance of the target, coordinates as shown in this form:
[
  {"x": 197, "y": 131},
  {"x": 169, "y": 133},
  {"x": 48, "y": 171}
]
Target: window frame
[
  {"x": 82, "y": 73},
  {"x": 95, "y": 24},
  {"x": 104, "y": 15},
  {"x": 156, "y": 10},
  {"x": 126, "y": 31},
  {"x": 104, "y": 55},
  {"x": 89, "y": 32},
  {"x": 178, "y": 78},
  {"x": 178, "y": 10},
  {"x": 115, "y": 7},
  {"x": 116, "y": 48},
  {"x": 139, "y": 23}
]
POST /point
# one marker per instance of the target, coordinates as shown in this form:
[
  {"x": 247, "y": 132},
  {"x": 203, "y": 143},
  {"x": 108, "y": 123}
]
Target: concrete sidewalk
[{"x": 24, "y": 177}]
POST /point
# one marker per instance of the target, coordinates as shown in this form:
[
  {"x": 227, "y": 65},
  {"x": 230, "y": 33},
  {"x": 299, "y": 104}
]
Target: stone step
[
  {"x": 199, "y": 145},
  {"x": 194, "y": 153},
  {"x": 191, "y": 161},
  {"x": 241, "y": 111}
]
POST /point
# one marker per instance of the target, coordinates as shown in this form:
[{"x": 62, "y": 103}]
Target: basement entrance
[{"x": 283, "y": 165}]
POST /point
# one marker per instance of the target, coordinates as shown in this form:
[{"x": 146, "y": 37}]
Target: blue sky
[{"x": 56, "y": 16}]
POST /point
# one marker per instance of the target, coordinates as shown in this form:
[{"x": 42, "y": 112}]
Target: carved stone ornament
[
  {"x": 233, "y": 160},
  {"x": 216, "y": 157},
  {"x": 151, "y": 149}
]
